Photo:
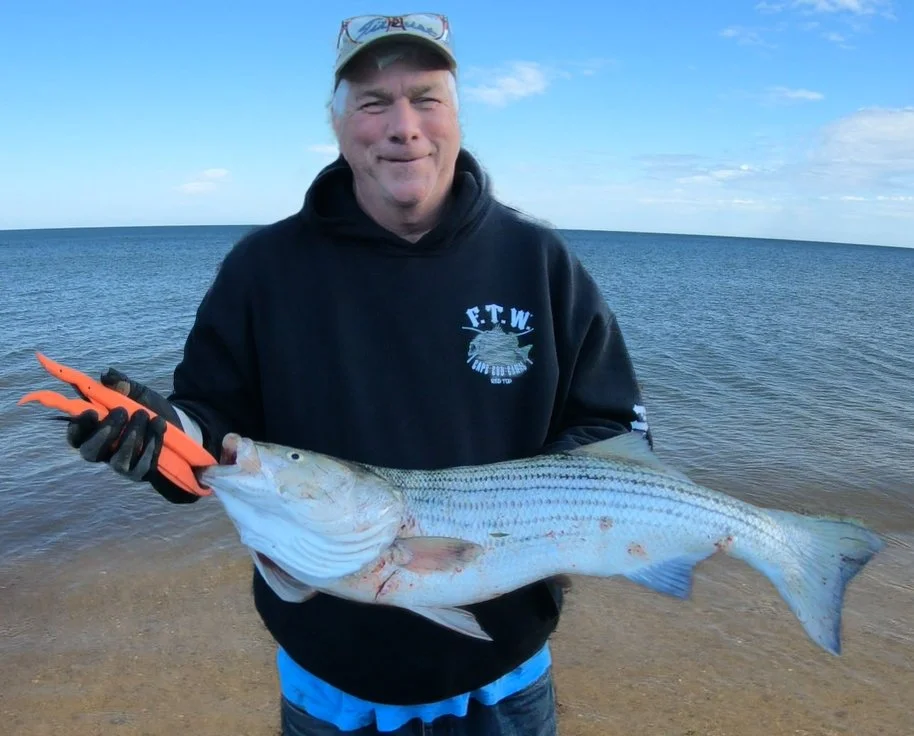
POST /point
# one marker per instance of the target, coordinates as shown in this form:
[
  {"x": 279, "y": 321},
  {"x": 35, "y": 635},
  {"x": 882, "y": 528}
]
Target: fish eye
[{"x": 296, "y": 456}]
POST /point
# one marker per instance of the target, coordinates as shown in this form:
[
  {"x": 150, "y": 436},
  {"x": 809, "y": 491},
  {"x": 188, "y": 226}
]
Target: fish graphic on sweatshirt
[{"x": 496, "y": 350}]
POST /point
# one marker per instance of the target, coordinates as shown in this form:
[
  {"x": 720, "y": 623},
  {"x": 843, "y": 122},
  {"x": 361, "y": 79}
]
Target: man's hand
[{"x": 131, "y": 446}]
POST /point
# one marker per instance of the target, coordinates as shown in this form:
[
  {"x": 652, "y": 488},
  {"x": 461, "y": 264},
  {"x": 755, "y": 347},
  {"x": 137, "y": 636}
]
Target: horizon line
[{"x": 554, "y": 227}]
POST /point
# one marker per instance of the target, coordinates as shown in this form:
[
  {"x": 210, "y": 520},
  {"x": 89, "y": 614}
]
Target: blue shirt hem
[{"x": 347, "y": 712}]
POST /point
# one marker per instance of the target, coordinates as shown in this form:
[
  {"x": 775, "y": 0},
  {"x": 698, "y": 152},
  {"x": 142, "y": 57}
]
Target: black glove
[{"x": 130, "y": 446}]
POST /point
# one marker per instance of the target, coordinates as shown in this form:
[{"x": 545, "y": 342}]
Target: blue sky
[{"x": 789, "y": 119}]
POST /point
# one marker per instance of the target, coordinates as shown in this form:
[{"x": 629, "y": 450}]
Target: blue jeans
[{"x": 530, "y": 712}]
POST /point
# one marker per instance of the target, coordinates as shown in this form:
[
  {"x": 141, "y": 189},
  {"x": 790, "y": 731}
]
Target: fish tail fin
[{"x": 818, "y": 559}]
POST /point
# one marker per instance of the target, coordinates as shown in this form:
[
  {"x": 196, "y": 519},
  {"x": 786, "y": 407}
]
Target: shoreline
[{"x": 168, "y": 641}]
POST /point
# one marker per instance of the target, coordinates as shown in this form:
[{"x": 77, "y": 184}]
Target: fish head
[
  {"x": 308, "y": 512},
  {"x": 266, "y": 470}
]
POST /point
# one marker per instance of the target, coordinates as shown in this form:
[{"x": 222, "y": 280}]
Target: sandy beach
[{"x": 136, "y": 641}]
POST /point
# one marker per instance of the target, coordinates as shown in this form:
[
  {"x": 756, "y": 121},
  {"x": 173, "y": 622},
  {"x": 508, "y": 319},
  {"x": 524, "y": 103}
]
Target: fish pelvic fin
[
  {"x": 633, "y": 448},
  {"x": 284, "y": 585},
  {"x": 824, "y": 556},
  {"x": 672, "y": 577},
  {"x": 455, "y": 619}
]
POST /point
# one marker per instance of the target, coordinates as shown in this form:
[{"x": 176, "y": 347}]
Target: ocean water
[{"x": 781, "y": 372}]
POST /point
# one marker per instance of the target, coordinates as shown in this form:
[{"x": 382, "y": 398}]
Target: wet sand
[{"x": 123, "y": 641}]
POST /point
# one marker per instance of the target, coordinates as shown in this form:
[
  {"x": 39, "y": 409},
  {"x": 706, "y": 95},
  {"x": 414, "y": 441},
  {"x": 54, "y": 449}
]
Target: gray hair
[{"x": 384, "y": 56}]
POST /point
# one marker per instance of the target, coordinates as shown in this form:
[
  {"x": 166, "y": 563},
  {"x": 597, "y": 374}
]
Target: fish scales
[
  {"x": 598, "y": 521},
  {"x": 463, "y": 498}
]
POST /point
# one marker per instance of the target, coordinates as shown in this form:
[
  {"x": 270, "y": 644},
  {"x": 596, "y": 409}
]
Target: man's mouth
[{"x": 404, "y": 160}]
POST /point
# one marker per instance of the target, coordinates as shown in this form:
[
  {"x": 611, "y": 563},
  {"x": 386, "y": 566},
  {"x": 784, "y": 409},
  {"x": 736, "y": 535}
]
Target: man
[{"x": 404, "y": 317}]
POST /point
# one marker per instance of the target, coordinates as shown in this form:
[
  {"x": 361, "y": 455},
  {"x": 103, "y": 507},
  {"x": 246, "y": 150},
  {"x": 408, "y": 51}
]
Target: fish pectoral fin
[
  {"x": 631, "y": 447},
  {"x": 284, "y": 585},
  {"x": 673, "y": 576},
  {"x": 434, "y": 554},
  {"x": 455, "y": 619}
]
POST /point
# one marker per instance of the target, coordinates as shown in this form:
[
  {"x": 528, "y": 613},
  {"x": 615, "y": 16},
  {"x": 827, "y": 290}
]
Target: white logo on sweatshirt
[{"x": 496, "y": 351}]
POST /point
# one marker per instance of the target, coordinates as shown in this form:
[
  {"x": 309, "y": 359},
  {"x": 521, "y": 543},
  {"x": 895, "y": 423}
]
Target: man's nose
[{"x": 404, "y": 121}]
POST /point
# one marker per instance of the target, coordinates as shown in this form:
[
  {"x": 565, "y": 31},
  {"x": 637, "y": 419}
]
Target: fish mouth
[
  {"x": 240, "y": 452},
  {"x": 229, "y": 455},
  {"x": 238, "y": 456}
]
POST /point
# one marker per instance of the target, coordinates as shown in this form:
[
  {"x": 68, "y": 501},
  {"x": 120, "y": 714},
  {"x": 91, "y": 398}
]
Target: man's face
[{"x": 400, "y": 135}]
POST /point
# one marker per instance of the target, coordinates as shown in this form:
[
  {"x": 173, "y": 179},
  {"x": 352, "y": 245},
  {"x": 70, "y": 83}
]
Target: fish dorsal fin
[{"x": 630, "y": 447}]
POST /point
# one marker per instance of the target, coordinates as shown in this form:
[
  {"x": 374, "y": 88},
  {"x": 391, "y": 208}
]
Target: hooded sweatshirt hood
[{"x": 331, "y": 207}]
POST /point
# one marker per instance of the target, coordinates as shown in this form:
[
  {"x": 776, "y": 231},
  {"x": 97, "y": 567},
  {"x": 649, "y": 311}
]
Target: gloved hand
[{"x": 131, "y": 446}]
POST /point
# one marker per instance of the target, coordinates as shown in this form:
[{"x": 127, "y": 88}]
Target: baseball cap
[{"x": 362, "y": 31}]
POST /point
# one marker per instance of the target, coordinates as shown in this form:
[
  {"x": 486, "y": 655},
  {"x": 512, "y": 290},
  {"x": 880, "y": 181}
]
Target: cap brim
[{"x": 344, "y": 59}]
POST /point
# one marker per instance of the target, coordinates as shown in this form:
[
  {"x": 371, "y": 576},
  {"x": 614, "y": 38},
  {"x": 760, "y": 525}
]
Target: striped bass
[{"x": 431, "y": 541}]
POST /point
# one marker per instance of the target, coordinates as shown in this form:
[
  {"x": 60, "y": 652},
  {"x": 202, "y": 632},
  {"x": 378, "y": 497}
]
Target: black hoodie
[{"x": 485, "y": 340}]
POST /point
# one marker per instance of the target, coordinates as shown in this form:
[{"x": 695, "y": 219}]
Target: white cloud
[
  {"x": 855, "y": 7},
  {"x": 197, "y": 187},
  {"x": 853, "y": 182},
  {"x": 839, "y": 39},
  {"x": 765, "y": 7},
  {"x": 870, "y": 152},
  {"x": 204, "y": 182},
  {"x": 718, "y": 175},
  {"x": 870, "y": 146},
  {"x": 786, "y": 94},
  {"x": 744, "y": 36},
  {"x": 590, "y": 67},
  {"x": 521, "y": 79},
  {"x": 324, "y": 149},
  {"x": 777, "y": 95},
  {"x": 896, "y": 206},
  {"x": 705, "y": 203},
  {"x": 665, "y": 165},
  {"x": 760, "y": 197},
  {"x": 851, "y": 16}
]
